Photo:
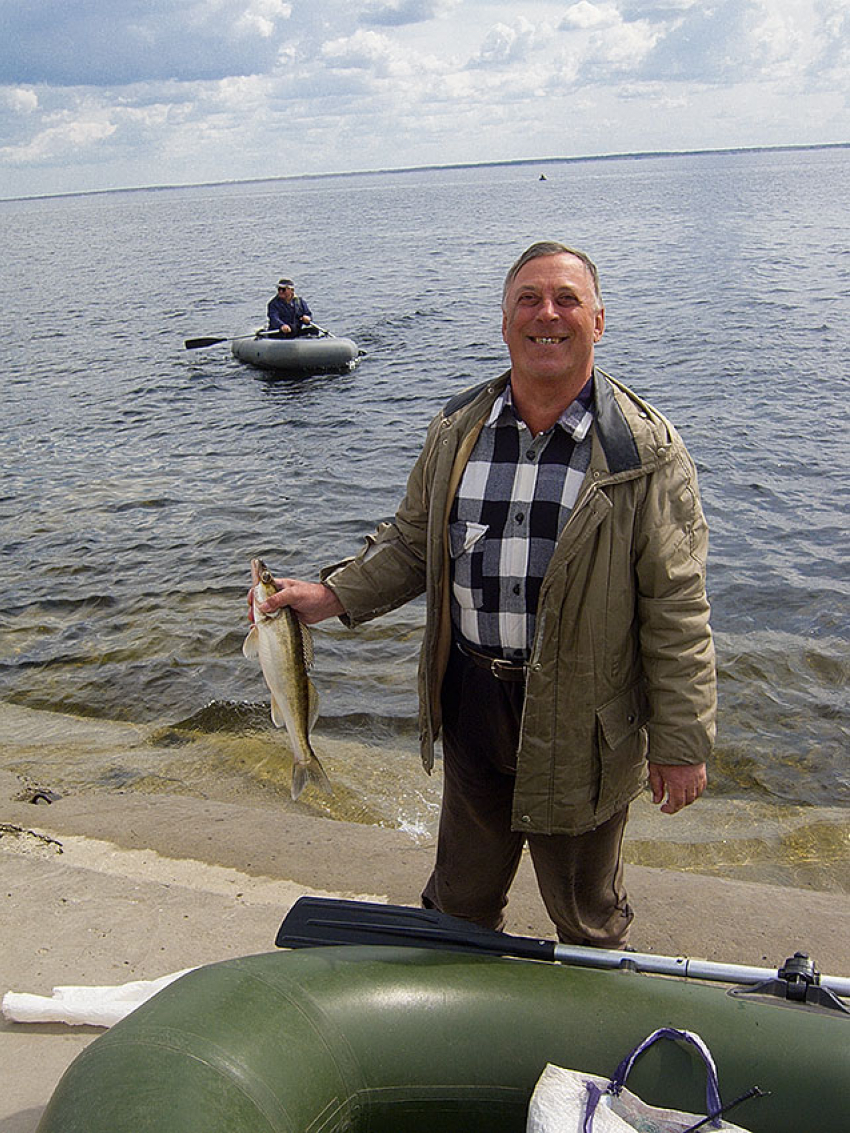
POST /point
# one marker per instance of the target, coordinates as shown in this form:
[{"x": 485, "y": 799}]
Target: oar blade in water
[{"x": 197, "y": 343}]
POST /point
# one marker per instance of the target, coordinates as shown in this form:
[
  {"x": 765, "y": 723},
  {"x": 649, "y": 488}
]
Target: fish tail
[
  {"x": 312, "y": 772},
  {"x": 317, "y": 776},
  {"x": 299, "y": 779}
]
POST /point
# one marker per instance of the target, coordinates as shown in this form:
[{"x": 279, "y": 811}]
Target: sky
[{"x": 109, "y": 94}]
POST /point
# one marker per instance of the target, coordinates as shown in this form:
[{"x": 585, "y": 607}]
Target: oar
[
  {"x": 316, "y": 921},
  {"x": 196, "y": 343},
  {"x": 211, "y": 340}
]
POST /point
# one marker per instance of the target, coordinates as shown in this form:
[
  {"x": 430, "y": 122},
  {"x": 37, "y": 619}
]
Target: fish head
[{"x": 262, "y": 581}]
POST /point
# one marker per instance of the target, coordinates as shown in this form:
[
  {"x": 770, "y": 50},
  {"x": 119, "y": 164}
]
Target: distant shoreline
[{"x": 640, "y": 155}]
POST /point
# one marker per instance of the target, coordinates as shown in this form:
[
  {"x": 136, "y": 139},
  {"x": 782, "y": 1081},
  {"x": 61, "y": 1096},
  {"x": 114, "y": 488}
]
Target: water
[{"x": 140, "y": 478}]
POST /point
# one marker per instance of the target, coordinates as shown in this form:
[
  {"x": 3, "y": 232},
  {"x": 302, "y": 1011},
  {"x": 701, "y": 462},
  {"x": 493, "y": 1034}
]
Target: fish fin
[
  {"x": 299, "y": 779},
  {"x": 312, "y": 703},
  {"x": 316, "y": 775},
  {"x": 306, "y": 640},
  {"x": 278, "y": 718},
  {"x": 251, "y": 644},
  {"x": 307, "y": 647},
  {"x": 312, "y": 772}
]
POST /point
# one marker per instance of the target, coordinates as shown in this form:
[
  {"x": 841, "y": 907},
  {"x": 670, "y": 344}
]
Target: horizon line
[{"x": 638, "y": 155}]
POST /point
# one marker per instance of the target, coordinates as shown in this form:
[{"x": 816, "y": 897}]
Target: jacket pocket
[
  {"x": 623, "y": 716},
  {"x": 622, "y": 745}
]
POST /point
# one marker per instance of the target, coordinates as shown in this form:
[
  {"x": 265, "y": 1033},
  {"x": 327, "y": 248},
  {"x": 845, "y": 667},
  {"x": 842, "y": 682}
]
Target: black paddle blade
[
  {"x": 314, "y": 921},
  {"x": 196, "y": 343}
]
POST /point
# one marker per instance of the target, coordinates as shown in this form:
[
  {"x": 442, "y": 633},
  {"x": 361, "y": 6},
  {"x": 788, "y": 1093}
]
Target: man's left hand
[{"x": 682, "y": 784}]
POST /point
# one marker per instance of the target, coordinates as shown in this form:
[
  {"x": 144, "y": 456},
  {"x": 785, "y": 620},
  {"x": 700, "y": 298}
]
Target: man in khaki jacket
[{"x": 553, "y": 521}]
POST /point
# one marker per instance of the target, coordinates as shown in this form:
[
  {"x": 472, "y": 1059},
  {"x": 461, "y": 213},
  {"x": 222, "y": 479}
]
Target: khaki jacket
[{"x": 622, "y": 665}]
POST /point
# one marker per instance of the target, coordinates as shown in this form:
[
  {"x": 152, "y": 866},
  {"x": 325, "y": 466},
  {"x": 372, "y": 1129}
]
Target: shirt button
[
  {"x": 517, "y": 588},
  {"x": 519, "y": 517},
  {"x": 530, "y": 454}
]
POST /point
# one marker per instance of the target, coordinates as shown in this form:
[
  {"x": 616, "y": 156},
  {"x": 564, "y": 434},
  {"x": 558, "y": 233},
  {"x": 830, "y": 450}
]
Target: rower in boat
[{"x": 288, "y": 313}]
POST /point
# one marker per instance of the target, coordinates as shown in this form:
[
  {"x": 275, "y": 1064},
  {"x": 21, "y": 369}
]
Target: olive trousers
[{"x": 580, "y": 877}]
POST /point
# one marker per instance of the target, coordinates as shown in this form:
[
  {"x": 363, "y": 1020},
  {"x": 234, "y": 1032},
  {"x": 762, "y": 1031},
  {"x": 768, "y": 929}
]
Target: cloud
[
  {"x": 22, "y": 100},
  {"x": 262, "y": 16},
  {"x": 396, "y": 13},
  {"x": 585, "y": 15},
  {"x": 64, "y": 137},
  {"x": 658, "y": 10},
  {"x": 831, "y": 59},
  {"x": 365, "y": 51},
  {"x": 90, "y": 43},
  {"x": 727, "y": 41},
  {"x": 506, "y": 44},
  {"x": 609, "y": 42},
  {"x": 624, "y": 48}
]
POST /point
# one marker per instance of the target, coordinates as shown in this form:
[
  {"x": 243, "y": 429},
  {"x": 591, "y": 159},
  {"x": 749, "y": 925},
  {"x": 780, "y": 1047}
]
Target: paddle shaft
[
  {"x": 680, "y": 966},
  {"x": 197, "y": 343},
  {"x": 314, "y": 921},
  {"x": 211, "y": 340}
]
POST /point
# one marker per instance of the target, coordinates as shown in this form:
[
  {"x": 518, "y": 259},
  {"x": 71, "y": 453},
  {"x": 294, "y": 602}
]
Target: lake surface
[{"x": 140, "y": 478}]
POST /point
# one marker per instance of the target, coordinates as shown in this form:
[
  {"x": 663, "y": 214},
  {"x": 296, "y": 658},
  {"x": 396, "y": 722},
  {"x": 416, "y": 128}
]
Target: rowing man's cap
[{"x": 285, "y": 283}]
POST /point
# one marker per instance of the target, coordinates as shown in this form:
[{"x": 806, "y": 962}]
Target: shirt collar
[{"x": 576, "y": 419}]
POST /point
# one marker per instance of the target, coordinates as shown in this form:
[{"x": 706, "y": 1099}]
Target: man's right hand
[{"x": 312, "y": 602}]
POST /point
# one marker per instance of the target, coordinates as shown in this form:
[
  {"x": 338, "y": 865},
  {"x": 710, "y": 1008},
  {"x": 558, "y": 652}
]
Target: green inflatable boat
[{"x": 384, "y": 1039}]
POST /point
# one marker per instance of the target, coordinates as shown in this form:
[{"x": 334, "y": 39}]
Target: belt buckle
[{"x": 501, "y": 668}]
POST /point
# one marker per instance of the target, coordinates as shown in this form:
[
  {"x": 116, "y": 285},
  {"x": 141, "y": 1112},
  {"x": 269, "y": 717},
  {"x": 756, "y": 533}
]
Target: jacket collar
[
  {"x": 614, "y": 432},
  {"x": 612, "y": 428}
]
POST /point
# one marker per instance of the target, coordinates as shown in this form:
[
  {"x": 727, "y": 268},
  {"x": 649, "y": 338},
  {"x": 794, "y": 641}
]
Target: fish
[{"x": 284, "y": 648}]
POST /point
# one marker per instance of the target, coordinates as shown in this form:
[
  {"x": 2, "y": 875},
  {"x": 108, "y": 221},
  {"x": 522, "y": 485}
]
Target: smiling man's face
[{"x": 551, "y": 322}]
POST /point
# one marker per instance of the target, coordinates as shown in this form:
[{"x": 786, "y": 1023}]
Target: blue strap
[
  {"x": 593, "y": 1096},
  {"x": 713, "y": 1104}
]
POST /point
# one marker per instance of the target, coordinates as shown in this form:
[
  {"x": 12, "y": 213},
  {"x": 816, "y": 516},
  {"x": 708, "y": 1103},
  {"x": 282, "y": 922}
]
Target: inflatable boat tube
[
  {"x": 303, "y": 355},
  {"x": 390, "y": 1040}
]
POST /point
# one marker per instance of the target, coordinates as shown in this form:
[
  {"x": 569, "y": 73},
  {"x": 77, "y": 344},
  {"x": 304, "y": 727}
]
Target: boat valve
[{"x": 799, "y": 973}]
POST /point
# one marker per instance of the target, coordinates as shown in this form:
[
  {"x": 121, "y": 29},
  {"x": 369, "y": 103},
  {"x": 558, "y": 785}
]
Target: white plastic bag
[
  {"x": 571, "y": 1101},
  {"x": 83, "y": 1006}
]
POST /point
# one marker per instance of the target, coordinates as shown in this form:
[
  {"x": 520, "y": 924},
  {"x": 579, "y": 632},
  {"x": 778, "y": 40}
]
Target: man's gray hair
[{"x": 552, "y": 248}]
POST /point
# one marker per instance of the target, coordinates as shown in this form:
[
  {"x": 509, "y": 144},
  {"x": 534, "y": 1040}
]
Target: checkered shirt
[{"x": 515, "y": 497}]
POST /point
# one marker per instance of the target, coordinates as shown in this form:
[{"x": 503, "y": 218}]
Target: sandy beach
[{"x": 103, "y": 888}]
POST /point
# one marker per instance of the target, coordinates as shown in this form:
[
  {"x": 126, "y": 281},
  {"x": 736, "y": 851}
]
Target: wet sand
[{"x": 103, "y": 888}]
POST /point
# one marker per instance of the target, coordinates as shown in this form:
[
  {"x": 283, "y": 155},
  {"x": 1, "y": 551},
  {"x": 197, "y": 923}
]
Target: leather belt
[{"x": 499, "y": 668}]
